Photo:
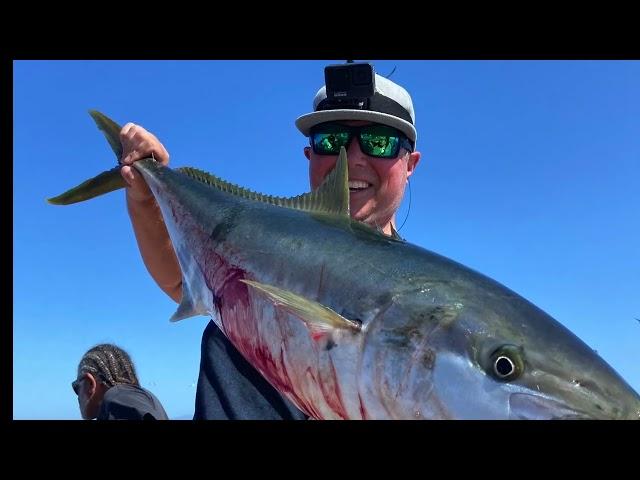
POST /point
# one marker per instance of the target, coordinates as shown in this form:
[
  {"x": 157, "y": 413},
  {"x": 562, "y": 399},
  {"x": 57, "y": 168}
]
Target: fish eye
[
  {"x": 506, "y": 363},
  {"x": 503, "y": 366}
]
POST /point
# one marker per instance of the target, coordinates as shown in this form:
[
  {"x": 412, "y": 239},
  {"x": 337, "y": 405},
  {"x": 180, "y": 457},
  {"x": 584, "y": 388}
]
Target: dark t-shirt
[
  {"x": 229, "y": 388},
  {"x": 129, "y": 402}
]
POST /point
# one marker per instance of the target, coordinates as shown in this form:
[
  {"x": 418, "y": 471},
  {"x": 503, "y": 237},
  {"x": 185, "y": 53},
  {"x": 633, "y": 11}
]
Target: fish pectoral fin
[
  {"x": 187, "y": 307},
  {"x": 317, "y": 317}
]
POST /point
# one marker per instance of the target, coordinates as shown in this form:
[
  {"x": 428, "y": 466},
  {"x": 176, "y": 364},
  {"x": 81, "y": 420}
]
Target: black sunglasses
[
  {"x": 76, "y": 384},
  {"x": 379, "y": 141}
]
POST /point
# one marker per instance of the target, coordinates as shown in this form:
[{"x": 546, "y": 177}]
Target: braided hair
[{"x": 109, "y": 363}]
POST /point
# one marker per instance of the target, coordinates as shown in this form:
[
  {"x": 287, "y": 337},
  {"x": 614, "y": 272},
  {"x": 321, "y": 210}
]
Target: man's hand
[{"x": 137, "y": 143}]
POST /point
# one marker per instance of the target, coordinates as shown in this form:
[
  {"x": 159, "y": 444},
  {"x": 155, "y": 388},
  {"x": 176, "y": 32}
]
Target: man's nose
[{"x": 354, "y": 154}]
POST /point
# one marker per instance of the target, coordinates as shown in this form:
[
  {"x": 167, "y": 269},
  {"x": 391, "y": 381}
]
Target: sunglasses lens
[
  {"x": 76, "y": 385},
  {"x": 379, "y": 145},
  {"x": 329, "y": 143},
  {"x": 379, "y": 141}
]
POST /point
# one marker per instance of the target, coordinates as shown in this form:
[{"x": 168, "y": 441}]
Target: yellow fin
[{"x": 315, "y": 315}]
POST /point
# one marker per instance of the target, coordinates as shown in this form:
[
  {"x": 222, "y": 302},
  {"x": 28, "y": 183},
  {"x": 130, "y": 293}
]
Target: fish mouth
[{"x": 528, "y": 406}]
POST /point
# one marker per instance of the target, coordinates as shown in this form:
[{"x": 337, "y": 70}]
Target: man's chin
[
  {"x": 359, "y": 215},
  {"x": 359, "y": 210}
]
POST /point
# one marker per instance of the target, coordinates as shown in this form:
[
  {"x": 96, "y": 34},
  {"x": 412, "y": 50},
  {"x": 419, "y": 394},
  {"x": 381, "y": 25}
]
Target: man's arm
[{"x": 151, "y": 233}]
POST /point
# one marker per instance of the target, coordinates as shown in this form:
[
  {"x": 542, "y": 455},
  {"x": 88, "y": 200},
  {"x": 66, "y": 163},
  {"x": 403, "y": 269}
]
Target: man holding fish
[
  {"x": 381, "y": 160},
  {"x": 325, "y": 301}
]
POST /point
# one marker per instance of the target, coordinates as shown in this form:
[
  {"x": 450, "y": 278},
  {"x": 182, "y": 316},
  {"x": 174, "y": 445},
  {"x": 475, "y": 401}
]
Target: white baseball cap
[{"x": 390, "y": 105}]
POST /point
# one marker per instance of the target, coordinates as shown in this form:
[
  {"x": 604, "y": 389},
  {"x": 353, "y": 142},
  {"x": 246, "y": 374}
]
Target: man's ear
[
  {"x": 92, "y": 384},
  {"x": 412, "y": 162},
  {"x": 307, "y": 152}
]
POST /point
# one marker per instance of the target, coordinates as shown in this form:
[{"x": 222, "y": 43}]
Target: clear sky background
[{"x": 529, "y": 174}]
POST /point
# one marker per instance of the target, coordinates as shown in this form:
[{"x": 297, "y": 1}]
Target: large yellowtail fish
[{"x": 351, "y": 324}]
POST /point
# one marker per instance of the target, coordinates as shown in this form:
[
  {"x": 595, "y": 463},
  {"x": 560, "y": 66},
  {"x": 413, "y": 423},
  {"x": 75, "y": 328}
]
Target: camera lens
[
  {"x": 362, "y": 75},
  {"x": 337, "y": 79}
]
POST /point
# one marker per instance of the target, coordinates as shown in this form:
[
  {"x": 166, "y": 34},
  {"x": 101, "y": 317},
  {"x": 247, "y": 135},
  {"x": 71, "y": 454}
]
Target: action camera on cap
[{"x": 350, "y": 85}]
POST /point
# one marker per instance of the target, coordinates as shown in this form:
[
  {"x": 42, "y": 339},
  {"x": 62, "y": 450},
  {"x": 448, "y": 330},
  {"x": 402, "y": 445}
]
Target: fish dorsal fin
[{"x": 331, "y": 197}]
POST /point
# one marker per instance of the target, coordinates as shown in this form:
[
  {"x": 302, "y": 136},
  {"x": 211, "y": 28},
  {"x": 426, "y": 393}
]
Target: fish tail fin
[{"x": 105, "y": 182}]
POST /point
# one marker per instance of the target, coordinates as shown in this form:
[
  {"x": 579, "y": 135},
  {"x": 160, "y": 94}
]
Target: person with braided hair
[{"x": 108, "y": 388}]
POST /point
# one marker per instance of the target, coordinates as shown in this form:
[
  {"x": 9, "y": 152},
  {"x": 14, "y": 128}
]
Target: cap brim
[{"x": 306, "y": 122}]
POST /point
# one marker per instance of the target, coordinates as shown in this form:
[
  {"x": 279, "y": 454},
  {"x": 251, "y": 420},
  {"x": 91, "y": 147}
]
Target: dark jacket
[{"x": 129, "y": 402}]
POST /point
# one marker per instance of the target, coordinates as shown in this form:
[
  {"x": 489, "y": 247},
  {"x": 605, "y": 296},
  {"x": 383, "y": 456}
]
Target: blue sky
[{"x": 529, "y": 175}]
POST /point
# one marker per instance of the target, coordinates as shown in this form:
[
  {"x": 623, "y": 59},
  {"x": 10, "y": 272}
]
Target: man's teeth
[{"x": 358, "y": 184}]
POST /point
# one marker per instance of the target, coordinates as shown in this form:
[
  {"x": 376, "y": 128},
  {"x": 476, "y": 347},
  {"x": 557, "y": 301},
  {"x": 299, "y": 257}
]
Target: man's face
[
  {"x": 88, "y": 399},
  {"x": 376, "y": 185}
]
